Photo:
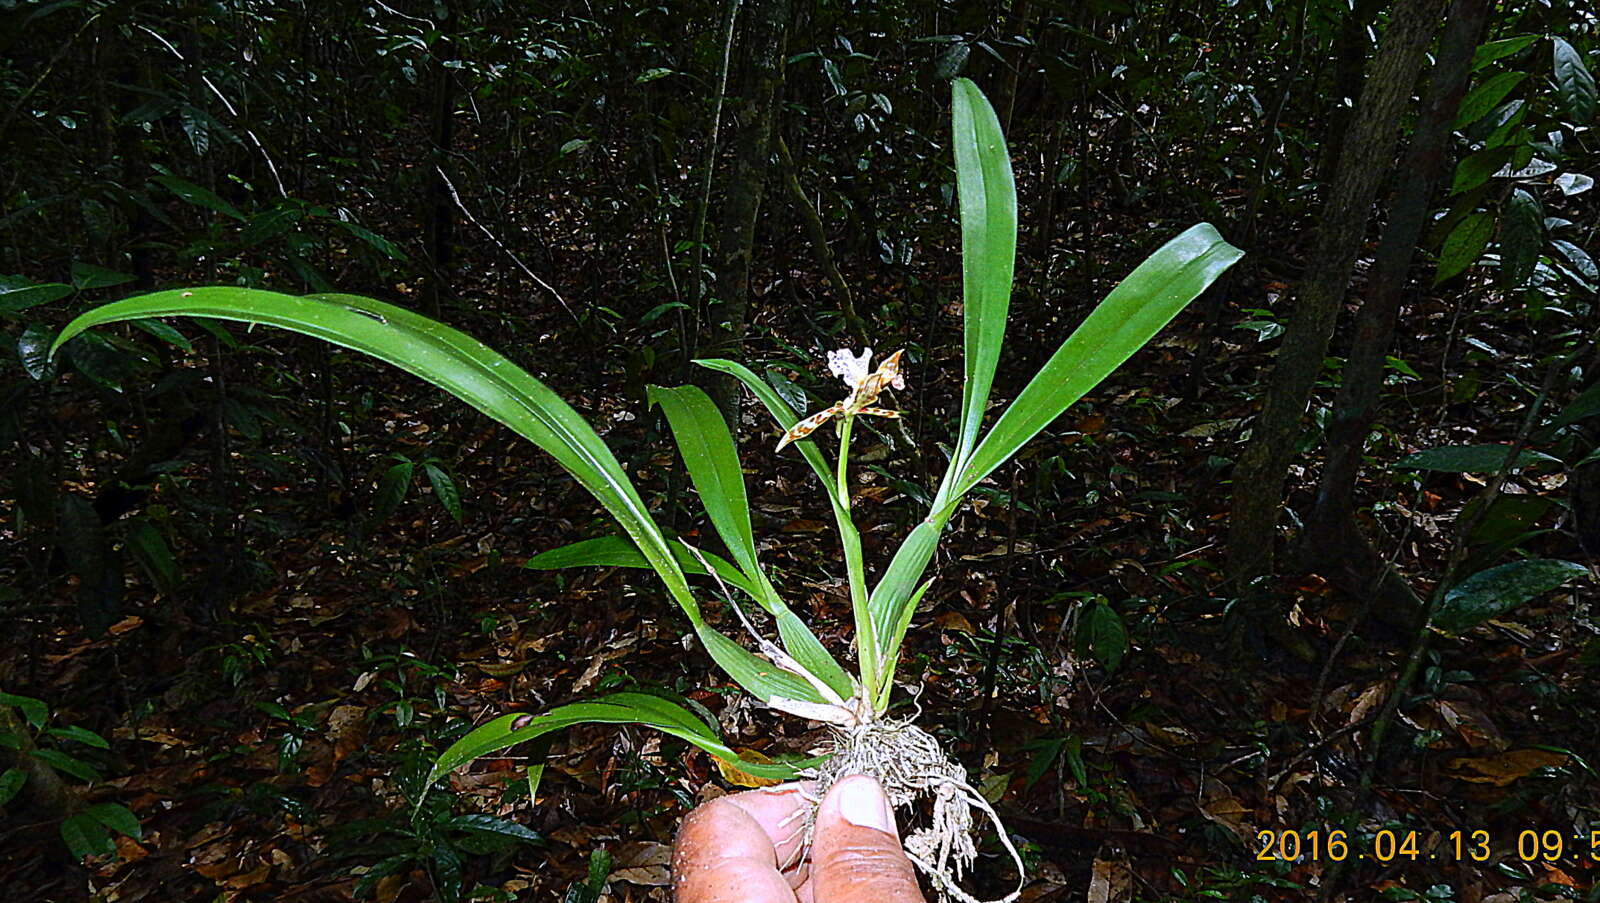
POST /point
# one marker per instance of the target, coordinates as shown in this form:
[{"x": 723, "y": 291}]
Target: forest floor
[{"x": 270, "y": 743}]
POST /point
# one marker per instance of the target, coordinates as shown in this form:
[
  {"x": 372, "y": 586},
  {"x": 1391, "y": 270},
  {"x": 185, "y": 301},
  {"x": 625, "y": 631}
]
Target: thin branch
[
  {"x": 697, "y": 286},
  {"x": 276, "y": 179},
  {"x": 454, "y": 196}
]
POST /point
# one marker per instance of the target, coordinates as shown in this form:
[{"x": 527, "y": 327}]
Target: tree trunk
[
  {"x": 1260, "y": 474},
  {"x": 439, "y": 219},
  {"x": 1349, "y": 52},
  {"x": 767, "y": 23},
  {"x": 1333, "y": 545}
]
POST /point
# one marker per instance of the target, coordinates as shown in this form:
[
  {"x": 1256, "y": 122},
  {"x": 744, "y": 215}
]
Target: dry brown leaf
[
  {"x": 503, "y": 669},
  {"x": 582, "y": 837},
  {"x": 390, "y": 886},
  {"x": 1109, "y": 882},
  {"x": 643, "y": 863},
  {"x": 1472, "y": 725},
  {"x": 128, "y": 849},
  {"x": 596, "y": 664},
  {"x": 1170, "y": 736},
  {"x": 1218, "y": 804},
  {"x": 953, "y": 620},
  {"x": 1504, "y": 768},
  {"x": 1554, "y": 875},
  {"x": 347, "y": 728},
  {"x": 738, "y": 777},
  {"x": 1369, "y": 698},
  {"x": 131, "y": 622}
]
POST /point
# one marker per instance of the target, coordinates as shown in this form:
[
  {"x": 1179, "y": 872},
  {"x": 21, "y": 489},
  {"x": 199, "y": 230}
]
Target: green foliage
[
  {"x": 988, "y": 196},
  {"x": 429, "y": 836},
  {"x": 70, "y": 750},
  {"x": 617, "y": 708},
  {"x": 594, "y": 886},
  {"x": 1472, "y": 459},
  {"x": 1574, "y": 83},
  {"x": 395, "y": 484},
  {"x": 1517, "y": 135},
  {"x": 799, "y": 676},
  {"x": 1499, "y": 590},
  {"x": 1102, "y": 635}
]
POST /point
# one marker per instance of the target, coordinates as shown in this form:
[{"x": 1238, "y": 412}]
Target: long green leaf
[
  {"x": 488, "y": 381},
  {"x": 443, "y": 356},
  {"x": 619, "y": 708},
  {"x": 782, "y": 414},
  {"x": 988, "y": 201},
  {"x": 1521, "y": 238},
  {"x": 1128, "y": 318},
  {"x": 1464, "y": 245},
  {"x": 1490, "y": 51},
  {"x": 1135, "y": 310},
  {"x": 896, "y": 635},
  {"x": 798, "y": 640},
  {"x": 194, "y": 194},
  {"x": 618, "y": 552},
  {"x": 712, "y": 459},
  {"x": 116, "y": 817},
  {"x": 11, "y": 781},
  {"x": 893, "y": 594},
  {"x": 1472, "y": 459}
]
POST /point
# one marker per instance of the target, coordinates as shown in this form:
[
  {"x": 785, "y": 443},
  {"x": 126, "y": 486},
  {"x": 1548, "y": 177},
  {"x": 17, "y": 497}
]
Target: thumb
[{"x": 856, "y": 855}]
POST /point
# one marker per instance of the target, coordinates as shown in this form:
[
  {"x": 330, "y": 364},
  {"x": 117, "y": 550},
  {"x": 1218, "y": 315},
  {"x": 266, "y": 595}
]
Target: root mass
[{"x": 910, "y": 766}]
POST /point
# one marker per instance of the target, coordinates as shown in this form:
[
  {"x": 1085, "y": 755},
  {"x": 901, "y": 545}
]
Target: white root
[{"x": 910, "y": 766}]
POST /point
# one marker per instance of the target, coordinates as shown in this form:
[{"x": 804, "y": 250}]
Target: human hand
[{"x": 739, "y": 849}]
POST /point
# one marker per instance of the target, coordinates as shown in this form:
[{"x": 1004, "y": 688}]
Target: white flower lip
[{"x": 848, "y": 367}]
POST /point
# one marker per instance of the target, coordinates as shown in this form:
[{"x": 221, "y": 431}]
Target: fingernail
[{"x": 862, "y": 803}]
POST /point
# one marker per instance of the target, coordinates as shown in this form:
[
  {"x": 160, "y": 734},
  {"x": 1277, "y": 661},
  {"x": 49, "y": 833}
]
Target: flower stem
[
  {"x": 850, "y": 538},
  {"x": 844, "y": 461}
]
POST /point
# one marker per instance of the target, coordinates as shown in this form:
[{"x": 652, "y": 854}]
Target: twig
[
  {"x": 276, "y": 179},
  {"x": 697, "y": 285},
  {"x": 991, "y": 671},
  {"x": 1318, "y": 700},
  {"x": 454, "y": 196},
  {"x": 1458, "y": 556}
]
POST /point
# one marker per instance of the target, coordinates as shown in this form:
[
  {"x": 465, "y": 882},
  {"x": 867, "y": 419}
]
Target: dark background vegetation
[{"x": 274, "y": 579}]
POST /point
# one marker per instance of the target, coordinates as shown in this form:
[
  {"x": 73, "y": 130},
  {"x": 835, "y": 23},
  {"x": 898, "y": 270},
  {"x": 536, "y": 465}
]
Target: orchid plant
[{"x": 792, "y": 672}]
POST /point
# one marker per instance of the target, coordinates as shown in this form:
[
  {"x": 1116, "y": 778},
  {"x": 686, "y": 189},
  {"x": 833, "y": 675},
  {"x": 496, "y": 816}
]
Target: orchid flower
[{"x": 865, "y": 385}]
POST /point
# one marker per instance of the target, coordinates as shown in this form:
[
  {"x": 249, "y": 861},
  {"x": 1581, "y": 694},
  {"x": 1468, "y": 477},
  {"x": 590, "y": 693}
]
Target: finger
[
  {"x": 856, "y": 855},
  {"x": 781, "y": 813},
  {"x": 724, "y": 854}
]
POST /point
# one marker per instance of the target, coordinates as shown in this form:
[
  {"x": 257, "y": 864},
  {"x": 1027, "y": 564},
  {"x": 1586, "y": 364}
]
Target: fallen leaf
[
  {"x": 1503, "y": 769},
  {"x": 1219, "y": 805},
  {"x": 128, "y": 849},
  {"x": 738, "y": 777},
  {"x": 1109, "y": 882},
  {"x": 644, "y": 863},
  {"x": 1369, "y": 698},
  {"x": 503, "y": 669},
  {"x": 347, "y": 728},
  {"x": 1554, "y": 875},
  {"x": 953, "y": 620}
]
